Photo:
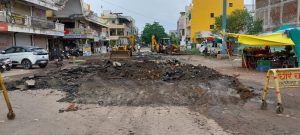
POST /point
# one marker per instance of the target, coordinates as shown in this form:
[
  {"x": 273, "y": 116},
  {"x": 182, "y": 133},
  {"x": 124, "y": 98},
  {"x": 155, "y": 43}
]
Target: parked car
[
  {"x": 210, "y": 48},
  {"x": 26, "y": 56}
]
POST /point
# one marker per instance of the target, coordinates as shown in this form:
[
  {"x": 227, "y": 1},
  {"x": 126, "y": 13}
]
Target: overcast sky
[{"x": 145, "y": 11}]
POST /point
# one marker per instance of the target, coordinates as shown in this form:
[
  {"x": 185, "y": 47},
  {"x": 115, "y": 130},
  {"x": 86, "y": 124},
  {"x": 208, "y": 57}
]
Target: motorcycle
[
  {"x": 5, "y": 64},
  {"x": 66, "y": 54},
  {"x": 59, "y": 61},
  {"x": 75, "y": 52}
]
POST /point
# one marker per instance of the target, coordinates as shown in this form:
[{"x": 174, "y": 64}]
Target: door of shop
[
  {"x": 23, "y": 39},
  {"x": 6, "y": 40}
]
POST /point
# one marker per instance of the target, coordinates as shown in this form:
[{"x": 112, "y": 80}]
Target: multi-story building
[
  {"x": 24, "y": 22},
  {"x": 184, "y": 26},
  {"x": 275, "y": 13},
  {"x": 173, "y": 32},
  {"x": 83, "y": 27},
  {"x": 181, "y": 28},
  {"x": 203, "y": 15},
  {"x": 188, "y": 17},
  {"x": 119, "y": 25}
]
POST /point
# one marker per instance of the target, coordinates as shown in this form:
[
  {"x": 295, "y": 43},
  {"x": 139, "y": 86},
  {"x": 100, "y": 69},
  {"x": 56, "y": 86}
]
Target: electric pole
[{"x": 224, "y": 17}]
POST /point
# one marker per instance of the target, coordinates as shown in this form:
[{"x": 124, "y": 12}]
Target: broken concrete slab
[
  {"x": 30, "y": 83},
  {"x": 117, "y": 64}
]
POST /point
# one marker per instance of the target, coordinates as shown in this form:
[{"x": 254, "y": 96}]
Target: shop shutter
[
  {"x": 6, "y": 40},
  {"x": 23, "y": 39},
  {"x": 40, "y": 41}
]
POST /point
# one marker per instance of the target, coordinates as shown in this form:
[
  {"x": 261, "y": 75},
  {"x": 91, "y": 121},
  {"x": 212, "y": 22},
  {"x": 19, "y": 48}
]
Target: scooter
[
  {"x": 59, "y": 61},
  {"x": 5, "y": 65},
  {"x": 66, "y": 54}
]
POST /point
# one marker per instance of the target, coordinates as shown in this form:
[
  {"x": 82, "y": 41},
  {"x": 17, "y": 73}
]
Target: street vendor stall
[{"x": 259, "y": 56}]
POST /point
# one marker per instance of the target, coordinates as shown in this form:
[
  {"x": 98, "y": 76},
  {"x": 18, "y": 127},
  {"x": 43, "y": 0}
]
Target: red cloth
[{"x": 211, "y": 39}]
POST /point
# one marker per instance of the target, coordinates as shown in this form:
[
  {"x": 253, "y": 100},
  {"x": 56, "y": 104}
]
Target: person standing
[{"x": 139, "y": 48}]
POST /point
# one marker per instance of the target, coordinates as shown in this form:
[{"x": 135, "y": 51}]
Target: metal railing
[
  {"x": 49, "y": 3},
  {"x": 14, "y": 18},
  {"x": 41, "y": 23},
  {"x": 2, "y": 16},
  {"x": 59, "y": 27}
]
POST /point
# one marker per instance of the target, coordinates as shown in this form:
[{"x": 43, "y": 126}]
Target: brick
[{"x": 289, "y": 14}]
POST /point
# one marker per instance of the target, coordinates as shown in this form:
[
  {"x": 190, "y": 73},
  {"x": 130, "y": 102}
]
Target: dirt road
[
  {"x": 248, "y": 118},
  {"x": 37, "y": 113}
]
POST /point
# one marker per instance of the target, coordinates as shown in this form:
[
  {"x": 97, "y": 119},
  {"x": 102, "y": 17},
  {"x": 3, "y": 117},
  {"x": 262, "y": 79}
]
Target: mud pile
[{"x": 143, "y": 82}]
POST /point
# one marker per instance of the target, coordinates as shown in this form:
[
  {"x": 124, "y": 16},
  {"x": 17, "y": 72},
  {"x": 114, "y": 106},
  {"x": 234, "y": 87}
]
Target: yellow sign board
[
  {"x": 289, "y": 78},
  {"x": 283, "y": 78}
]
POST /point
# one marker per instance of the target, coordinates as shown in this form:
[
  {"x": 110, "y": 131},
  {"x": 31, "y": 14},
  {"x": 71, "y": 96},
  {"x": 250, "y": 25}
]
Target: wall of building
[
  {"x": 21, "y": 9},
  {"x": 71, "y": 7},
  {"x": 275, "y": 13},
  {"x": 201, "y": 14}
]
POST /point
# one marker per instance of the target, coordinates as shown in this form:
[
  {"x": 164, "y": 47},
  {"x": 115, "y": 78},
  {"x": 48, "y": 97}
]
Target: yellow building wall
[{"x": 201, "y": 10}]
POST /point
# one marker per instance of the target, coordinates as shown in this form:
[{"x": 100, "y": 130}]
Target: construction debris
[
  {"x": 70, "y": 108},
  {"x": 30, "y": 83},
  {"x": 142, "y": 82}
]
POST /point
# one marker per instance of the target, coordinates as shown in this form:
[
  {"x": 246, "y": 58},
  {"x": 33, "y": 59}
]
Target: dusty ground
[
  {"x": 37, "y": 114},
  {"x": 223, "y": 113},
  {"x": 248, "y": 118}
]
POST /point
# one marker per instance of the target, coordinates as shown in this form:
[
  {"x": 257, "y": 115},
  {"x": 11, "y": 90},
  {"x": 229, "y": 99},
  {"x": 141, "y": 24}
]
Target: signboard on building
[
  {"x": 3, "y": 27},
  {"x": 80, "y": 33},
  {"x": 87, "y": 50}
]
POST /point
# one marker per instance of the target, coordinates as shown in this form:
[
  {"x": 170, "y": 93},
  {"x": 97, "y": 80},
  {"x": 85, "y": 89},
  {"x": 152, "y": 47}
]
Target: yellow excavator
[
  {"x": 164, "y": 46},
  {"x": 124, "y": 48}
]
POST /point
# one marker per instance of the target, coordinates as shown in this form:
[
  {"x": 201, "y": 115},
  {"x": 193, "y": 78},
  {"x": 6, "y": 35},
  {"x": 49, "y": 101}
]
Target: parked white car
[
  {"x": 212, "y": 48},
  {"x": 26, "y": 56}
]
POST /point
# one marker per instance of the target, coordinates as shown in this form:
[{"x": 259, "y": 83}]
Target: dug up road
[{"x": 149, "y": 94}]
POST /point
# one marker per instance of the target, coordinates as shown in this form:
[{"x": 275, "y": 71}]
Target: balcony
[
  {"x": 59, "y": 27},
  {"x": 2, "y": 16},
  {"x": 51, "y": 4},
  {"x": 29, "y": 24},
  {"x": 41, "y": 23}
]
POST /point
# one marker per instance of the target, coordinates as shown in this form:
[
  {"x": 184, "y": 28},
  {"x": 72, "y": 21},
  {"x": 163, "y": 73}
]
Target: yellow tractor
[
  {"x": 124, "y": 48},
  {"x": 164, "y": 46}
]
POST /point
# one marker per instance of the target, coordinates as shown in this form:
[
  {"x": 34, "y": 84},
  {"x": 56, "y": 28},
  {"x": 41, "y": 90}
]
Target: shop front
[
  {"x": 82, "y": 39},
  {"x": 23, "y": 39},
  {"x": 41, "y": 41},
  {"x": 6, "y": 40},
  {"x": 270, "y": 51}
]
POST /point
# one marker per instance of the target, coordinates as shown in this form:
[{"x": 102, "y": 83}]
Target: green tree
[
  {"x": 174, "y": 39},
  {"x": 153, "y": 29},
  {"x": 239, "y": 21}
]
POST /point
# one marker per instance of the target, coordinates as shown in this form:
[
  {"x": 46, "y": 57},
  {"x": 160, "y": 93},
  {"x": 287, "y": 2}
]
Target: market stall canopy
[
  {"x": 274, "y": 39},
  {"x": 284, "y": 28}
]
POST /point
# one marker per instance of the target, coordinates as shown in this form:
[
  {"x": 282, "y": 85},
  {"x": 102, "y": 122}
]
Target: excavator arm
[{"x": 155, "y": 45}]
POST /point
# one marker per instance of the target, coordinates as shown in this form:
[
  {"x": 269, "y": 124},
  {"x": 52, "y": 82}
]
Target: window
[
  {"x": 19, "y": 50},
  {"x": 113, "y": 21},
  {"x": 212, "y": 26},
  {"x": 212, "y": 15},
  {"x": 230, "y": 4},
  {"x": 113, "y": 32},
  {"x": 10, "y": 50},
  {"x": 120, "y": 32}
]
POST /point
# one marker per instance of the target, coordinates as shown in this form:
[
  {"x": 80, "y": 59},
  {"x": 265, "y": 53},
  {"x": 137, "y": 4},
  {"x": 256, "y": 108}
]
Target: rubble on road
[
  {"x": 30, "y": 83},
  {"x": 71, "y": 108},
  {"x": 141, "y": 82}
]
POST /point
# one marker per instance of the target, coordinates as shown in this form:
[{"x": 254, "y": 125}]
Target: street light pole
[{"x": 224, "y": 17}]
